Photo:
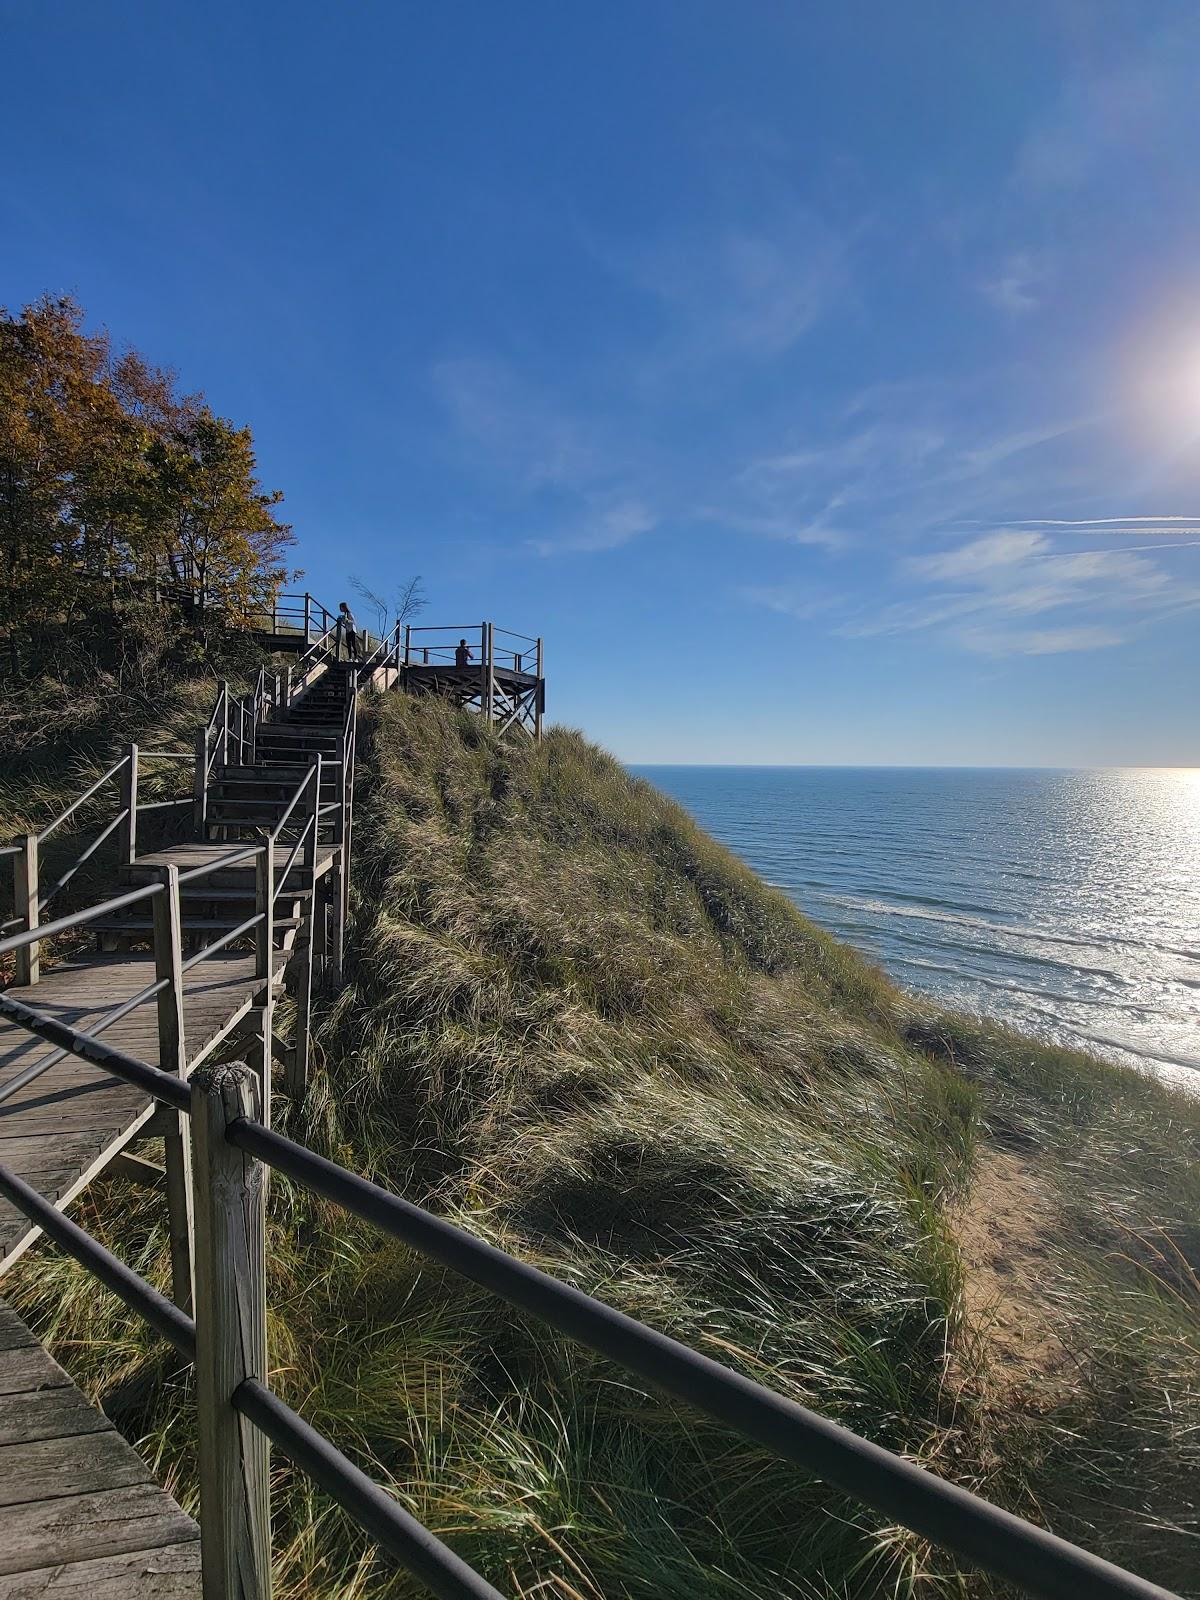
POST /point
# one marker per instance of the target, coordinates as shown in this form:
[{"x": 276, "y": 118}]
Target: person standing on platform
[
  {"x": 347, "y": 631},
  {"x": 462, "y": 656}
]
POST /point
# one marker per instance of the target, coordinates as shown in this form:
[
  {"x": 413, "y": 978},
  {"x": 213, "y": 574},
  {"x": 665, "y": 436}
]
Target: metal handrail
[
  {"x": 234, "y": 859},
  {"x": 45, "y": 898},
  {"x": 33, "y": 1072},
  {"x": 214, "y": 945},
  {"x": 76, "y": 919},
  {"x": 309, "y": 826},
  {"x": 167, "y": 1319},
  {"x": 86, "y": 795},
  {"x": 301, "y": 671},
  {"x": 292, "y": 803}
]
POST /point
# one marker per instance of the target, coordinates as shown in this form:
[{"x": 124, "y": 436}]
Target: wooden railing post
[
  {"x": 200, "y": 784},
  {"x": 296, "y": 1075},
  {"x": 307, "y": 617},
  {"x": 26, "y": 895},
  {"x": 172, "y": 1058},
  {"x": 539, "y": 703},
  {"x": 484, "y": 696},
  {"x": 264, "y": 959},
  {"x": 127, "y": 833},
  {"x": 223, "y": 688},
  {"x": 231, "y": 1338}
]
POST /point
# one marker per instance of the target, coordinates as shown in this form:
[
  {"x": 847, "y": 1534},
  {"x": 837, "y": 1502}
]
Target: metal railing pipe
[
  {"x": 138, "y": 1295},
  {"x": 399, "y": 1533},
  {"x": 234, "y": 859},
  {"x": 308, "y": 827},
  {"x": 35, "y": 1070},
  {"x": 85, "y": 855},
  {"x": 214, "y": 945},
  {"x": 77, "y": 919},
  {"x": 75, "y": 804},
  {"x": 293, "y": 802},
  {"x": 982, "y": 1533},
  {"x": 159, "y": 1085}
]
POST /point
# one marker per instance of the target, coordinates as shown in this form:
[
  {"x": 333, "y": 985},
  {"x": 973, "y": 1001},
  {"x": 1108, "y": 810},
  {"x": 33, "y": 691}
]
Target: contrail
[
  {"x": 1098, "y": 522},
  {"x": 1171, "y": 544}
]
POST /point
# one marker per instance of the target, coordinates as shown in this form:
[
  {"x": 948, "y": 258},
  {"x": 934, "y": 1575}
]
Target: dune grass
[{"x": 577, "y": 1025}]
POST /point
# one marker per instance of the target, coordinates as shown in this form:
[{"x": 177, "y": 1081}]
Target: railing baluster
[
  {"x": 200, "y": 784},
  {"x": 172, "y": 1058},
  {"x": 26, "y": 905},
  {"x": 129, "y": 797},
  {"x": 296, "y": 1076},
  {"x": 540, "y": 701},
  {"x": 231, "y": 1338}
]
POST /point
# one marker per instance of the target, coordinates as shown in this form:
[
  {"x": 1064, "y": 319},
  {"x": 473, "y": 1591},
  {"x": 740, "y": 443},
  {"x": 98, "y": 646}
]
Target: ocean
[{"x": 1063, "y": 903}]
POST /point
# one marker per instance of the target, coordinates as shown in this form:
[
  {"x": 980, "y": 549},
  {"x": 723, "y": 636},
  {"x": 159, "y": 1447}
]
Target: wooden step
[
  {"x": 190, "y": 892},
  {"x": 190, "y": 924}
]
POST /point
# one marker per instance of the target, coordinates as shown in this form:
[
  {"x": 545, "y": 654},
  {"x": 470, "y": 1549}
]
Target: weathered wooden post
[
  {"x": 231, "y": 1338},
  {"x": 296, "y": 1075},
  {"x": 223, "y": 686},
  {"x": 407, "y": 643},
  {"x": 264, "y": 959},
  {"x": 489, "y": 676},
  {"x": 307, "y": 617},
  {"x": 337, "y": 869},
  {"x": 540, "y": 701},
  {"x": 200, "y": 784},
  {"x": 172, "y": 1057},
  {"x": 127, "y": 833},
  {"x": 26, "y": 905}
]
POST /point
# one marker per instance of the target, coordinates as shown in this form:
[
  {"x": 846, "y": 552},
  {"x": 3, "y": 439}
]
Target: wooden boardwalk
[
  {"x": 59, "y": 1130},
  {"x": 81, "y": 1515},
  {"x": 260, "y": 887}
]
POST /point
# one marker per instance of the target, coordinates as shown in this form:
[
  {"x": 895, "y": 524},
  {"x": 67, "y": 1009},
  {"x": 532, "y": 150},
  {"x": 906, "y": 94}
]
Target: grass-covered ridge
[{"x": 581, "y": 1027}]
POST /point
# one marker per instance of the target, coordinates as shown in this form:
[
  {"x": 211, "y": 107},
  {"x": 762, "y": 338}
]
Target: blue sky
[{"x": 823, "y": 382}]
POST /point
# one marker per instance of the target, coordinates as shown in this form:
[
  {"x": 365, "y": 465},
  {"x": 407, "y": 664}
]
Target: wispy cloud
[
  {"x": 748, "y": 290},
  {"x": 1020, "y": 284},
  {"x": 599, "y": 528},
  {"x": 1097, "y": 598},
  {"x": 788, "y": 529},
  {"x": 564, "y": 466},
  {"x": 513, "y": 425},
  {"x": 790, "y": 600}
]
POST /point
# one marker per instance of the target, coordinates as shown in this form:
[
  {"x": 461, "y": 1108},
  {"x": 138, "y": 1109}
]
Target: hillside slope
[{"x": 578, "y": 1025}]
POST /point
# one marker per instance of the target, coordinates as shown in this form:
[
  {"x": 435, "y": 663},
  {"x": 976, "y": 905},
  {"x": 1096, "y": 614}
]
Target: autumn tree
[{"x": 109, "y": 479}]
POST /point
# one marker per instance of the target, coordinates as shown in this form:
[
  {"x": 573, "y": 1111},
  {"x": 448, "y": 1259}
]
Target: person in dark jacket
[
  {"x": 348, "y": 631},
  {"x": 462, "y": 656}
]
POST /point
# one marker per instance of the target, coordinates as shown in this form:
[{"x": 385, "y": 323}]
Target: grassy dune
[{"x": 579, "y": 1026}]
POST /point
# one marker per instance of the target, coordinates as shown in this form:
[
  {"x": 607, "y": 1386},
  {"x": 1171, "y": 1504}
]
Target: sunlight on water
[{"x": 1062, "y": 903}]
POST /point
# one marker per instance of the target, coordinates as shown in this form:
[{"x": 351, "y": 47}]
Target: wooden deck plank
[
  {"x": 74, "y": 1495},
  {"x": 169, "y": 1573},
  {"x": 24, "y": 1370},
  {"x": 47, "y": 1414},
  {"x": 42, "y": 1470},
  {"x": 60, "y": 1129},
  {"x": 83, "y": 1526}
]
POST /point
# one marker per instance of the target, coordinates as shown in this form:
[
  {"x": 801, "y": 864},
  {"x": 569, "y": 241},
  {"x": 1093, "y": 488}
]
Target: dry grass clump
[{"x": 576, "y": 1024}]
